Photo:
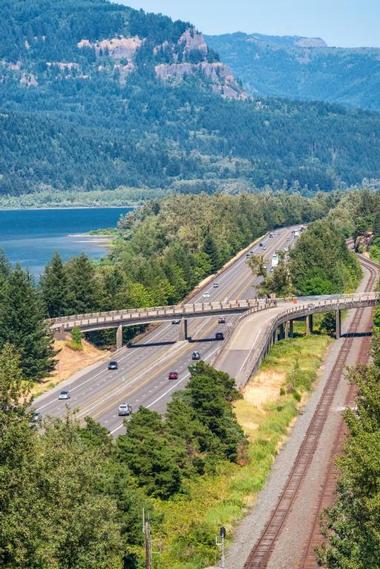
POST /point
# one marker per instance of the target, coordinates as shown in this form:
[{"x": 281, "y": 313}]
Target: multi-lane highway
[{"x": 142, "y": 374}]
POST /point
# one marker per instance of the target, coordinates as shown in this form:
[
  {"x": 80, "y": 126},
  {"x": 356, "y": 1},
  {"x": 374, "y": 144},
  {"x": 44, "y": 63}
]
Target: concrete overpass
[
  {"x": 247, "y": 348},
  {"x": 292, "y": 309}
]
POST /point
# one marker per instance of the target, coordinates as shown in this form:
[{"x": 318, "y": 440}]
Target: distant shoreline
[
  {"x": 100, "y": 239},
  {"x": 59, "y": 208}
]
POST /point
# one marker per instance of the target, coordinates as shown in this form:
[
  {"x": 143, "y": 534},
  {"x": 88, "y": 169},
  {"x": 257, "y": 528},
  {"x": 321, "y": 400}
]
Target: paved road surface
[{"x": 142, "y": 377}]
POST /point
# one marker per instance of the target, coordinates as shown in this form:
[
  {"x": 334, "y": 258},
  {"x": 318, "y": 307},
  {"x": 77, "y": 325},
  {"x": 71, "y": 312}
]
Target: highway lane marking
[
  {"x": 226, "y": 278},
  {"x": 205, "y": 322},
  {"x": 277, "y": 245},
  {"x": 103, "y": 371},
  {"x": 121, "y": 388},
  {"x": 167, "y": 391}
]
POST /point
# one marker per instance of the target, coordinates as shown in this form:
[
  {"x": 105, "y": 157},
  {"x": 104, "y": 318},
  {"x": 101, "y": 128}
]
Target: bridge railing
[
  {"x": 181, "y": 311},
  {"x": 156, "y": 312},
  {"x": 344, "y": 301}
]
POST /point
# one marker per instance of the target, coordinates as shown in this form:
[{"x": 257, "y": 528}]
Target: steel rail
[{"x": 261, "y": 552}]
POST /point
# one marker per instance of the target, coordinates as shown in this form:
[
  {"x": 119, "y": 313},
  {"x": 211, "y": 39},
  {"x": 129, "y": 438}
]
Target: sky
[{"x": 345, "y": 23}]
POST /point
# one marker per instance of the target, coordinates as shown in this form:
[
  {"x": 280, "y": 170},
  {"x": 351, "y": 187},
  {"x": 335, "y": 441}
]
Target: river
[{"x": 30, "y": 237}]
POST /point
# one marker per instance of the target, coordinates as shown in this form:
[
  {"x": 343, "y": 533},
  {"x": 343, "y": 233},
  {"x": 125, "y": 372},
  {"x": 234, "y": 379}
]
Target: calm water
[{"x": 30, "y": 237}]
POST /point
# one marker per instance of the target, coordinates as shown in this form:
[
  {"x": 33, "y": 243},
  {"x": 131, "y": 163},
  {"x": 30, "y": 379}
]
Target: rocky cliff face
[
  {"x": 195, "y": 59},
  {"x": 114, "y": 45}
]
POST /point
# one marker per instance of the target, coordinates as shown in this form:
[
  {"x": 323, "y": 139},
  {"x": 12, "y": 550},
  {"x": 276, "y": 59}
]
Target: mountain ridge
[
  {"x": 94, "y": 95},
  {"x": 301, "y": 68}
]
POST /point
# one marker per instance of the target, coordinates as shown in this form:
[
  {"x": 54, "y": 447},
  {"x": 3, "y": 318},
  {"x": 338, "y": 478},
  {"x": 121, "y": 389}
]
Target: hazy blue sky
[{"x": 340, "y": 22}]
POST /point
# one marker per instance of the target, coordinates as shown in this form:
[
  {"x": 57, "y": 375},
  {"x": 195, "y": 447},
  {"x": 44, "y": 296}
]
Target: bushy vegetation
[
  {"x": 119, "y": 197},
  {"x": 192, "y": 520},
  {"x": 72, "y": 498},
  {"x": 352, "y": 525},
  {"x": 72, "y": 118},
  {"x": 320, "y": 263}
]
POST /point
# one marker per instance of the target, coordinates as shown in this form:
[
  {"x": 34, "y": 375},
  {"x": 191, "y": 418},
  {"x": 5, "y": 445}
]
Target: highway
[{"x": 142, "y": 377}]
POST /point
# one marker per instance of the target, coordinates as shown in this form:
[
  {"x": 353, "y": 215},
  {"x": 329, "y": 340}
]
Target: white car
[
  {"x": 64, "y": 395},
  {"x": 125, "y": 409},
  {"x": 206, "y": 295}
]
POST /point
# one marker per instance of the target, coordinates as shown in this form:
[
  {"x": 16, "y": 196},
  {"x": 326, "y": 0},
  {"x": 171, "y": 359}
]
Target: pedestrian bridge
[{"x": 294, "y": 308}]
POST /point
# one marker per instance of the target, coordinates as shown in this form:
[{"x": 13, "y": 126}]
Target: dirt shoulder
[{"x": 69, "y": 362}]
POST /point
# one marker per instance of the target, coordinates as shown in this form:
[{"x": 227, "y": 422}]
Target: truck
[{"x": 275, "y": 261}]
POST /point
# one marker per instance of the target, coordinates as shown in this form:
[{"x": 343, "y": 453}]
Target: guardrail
[
  {"x": 130, "y": 317},
  {"x": 113, "y": 319},
  {"x": 257, "y": 355}
]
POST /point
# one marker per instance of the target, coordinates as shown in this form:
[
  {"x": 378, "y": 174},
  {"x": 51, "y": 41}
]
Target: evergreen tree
[
  {"x": 76, "y": 339},
  {"x": 211, "y": 393},
  {"x": 84, "y": 295},
  {"x": 54, "y": 287},
  {"x": 151, "y": 455},
  {"x": 211, "y": 250},
  {"x": 22, "y": 513},
  {"x": 22, "y": 325},
  {"x": 352, "y": 524},
  {"x": 376, "y": 224}
]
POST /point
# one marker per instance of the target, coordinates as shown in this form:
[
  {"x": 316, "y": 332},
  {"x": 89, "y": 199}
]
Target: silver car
[
  {"x": 64, "y": 395},
  {"x": 125, "y": 409}
]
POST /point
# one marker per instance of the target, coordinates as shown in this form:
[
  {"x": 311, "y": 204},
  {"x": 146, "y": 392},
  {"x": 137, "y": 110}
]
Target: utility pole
[
  {"x": 221, "y": 544},
  {"x": 147, "y": 543}
]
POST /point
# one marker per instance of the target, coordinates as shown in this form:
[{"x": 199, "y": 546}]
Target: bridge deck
[{"x": 133, "y": 317}]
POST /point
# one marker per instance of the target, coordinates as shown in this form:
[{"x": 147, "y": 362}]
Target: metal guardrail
[{"x": 345, "y": 301}]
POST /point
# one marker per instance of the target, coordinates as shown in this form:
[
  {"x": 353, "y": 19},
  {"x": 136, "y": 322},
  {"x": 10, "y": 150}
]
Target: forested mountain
[
  {"x": 302, "y": 68},
  {"x": 94, "y": 95}
]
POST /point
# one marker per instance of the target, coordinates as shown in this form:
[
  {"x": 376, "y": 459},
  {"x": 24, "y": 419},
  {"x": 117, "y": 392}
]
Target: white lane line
[
  {"x": 167, "y": 391},
  {"x": 228, "y": 275},
  {"x": 93, "y": 377},
  {"x": 120, "y": 388}
]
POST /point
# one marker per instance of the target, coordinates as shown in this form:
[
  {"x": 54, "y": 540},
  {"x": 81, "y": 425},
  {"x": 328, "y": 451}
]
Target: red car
[{"x": 173, "y": 375}]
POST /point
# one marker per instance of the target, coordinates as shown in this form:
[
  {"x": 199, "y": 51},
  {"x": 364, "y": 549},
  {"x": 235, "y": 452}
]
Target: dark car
[
  {"x": 196, "y": 356},
  {"x": 36, "y": 418},
  {"x": 219, "y": 336},
  {"x": 176, "y": 321},
  {"x": 64, "y": 395},
  {"x": 173, "y": 375},
  {"x": 113, "y": 365},
  {"x": 221, "y": 320}
]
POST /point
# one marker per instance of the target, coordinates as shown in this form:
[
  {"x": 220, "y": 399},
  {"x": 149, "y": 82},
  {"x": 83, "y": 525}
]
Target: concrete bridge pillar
[
  {"x": 183, "y": 330},
  {"x": 291, "y": 329},
  {"x": 338, "y": 324},
  {"x": 282, "y": 331},
  {"x": 119, "y": 337},
  {"x": 309, "y": 324}
]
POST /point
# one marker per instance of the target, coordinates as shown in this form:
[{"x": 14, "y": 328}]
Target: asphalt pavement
[{"x": 142, "y": 375}]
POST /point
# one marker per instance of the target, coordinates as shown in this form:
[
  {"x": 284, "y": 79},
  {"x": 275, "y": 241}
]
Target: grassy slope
[{"x": 186, "y": 533}]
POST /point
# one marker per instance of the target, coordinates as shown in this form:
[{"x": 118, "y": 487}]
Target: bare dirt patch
[
  {"x": 265, "y": 388},
  {"x": 70, "y": 362},
  {"x": 258, "y": 394}
]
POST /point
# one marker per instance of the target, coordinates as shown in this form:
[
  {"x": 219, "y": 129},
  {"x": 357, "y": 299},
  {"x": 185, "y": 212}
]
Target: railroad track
[{"x": 262, "y": 551}]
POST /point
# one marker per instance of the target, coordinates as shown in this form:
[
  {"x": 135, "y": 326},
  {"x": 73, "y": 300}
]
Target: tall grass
[{"x": 188, "y": 524}]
